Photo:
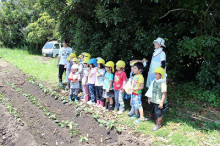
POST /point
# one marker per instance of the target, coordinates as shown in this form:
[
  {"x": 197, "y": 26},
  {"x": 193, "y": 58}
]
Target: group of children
[{"x": 102, "y": 86}]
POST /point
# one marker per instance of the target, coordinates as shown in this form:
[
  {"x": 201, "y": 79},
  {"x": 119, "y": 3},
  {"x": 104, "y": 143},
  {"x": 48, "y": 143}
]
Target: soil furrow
[
  {"x": 13, "y": 132},
  {"x": 86, "y": 123},
  {"x": 44, "y": 130}
]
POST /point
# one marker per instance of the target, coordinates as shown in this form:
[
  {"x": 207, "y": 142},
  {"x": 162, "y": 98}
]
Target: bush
[{"x": 191, "y": 91}]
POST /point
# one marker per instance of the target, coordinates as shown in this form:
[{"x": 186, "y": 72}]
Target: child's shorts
[
  {"x": 136, "y": 101},
  {"x": 155, "y": 110},
  {"x": 108, "y": 94}
]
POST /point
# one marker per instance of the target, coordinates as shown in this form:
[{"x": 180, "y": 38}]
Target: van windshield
[{"x": 48, "y": 46}]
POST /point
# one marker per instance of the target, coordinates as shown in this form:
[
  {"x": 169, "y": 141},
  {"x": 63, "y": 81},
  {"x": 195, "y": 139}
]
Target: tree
[{"x": 38, "y": 32}]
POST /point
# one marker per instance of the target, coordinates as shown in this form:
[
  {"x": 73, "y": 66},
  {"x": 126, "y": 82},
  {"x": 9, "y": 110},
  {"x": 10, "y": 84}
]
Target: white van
[{"x": 51, "y": 49}]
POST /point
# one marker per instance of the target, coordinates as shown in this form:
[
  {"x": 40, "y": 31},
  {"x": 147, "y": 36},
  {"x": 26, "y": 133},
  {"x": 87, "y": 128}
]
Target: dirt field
[{"x": 38, "y": 129}]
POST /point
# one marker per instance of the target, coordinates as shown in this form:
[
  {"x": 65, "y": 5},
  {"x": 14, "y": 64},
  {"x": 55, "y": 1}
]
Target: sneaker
[
  {"x": 138, "y": 121},
  {"x": 83, "y": 99},
  {"x": 99, "y": 105},
  {"x": 133, "y": 117},
  {"x": 76, "y": 100},
  {"x": 116, "y": 109},
  {"x": 120, "y": 112},
  {"x": 156, "y": 128},
  {"x": 61, "y": 84},
  {"x": 89, "y": 102},
  {"x": 130, "y": 114},
  {"x": 93, "y": 103},
  {"x": 67, "y": 87}
]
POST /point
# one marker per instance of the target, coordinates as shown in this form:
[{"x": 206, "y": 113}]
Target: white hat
[
  {"x": 160, "y": 41},
  {"x": 74, "y": 66},
  {"x": 98, "y": 58}
]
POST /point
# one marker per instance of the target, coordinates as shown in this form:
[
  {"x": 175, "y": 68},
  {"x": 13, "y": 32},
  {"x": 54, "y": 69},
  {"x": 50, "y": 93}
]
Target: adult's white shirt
[{"x": 64, "y": 54}]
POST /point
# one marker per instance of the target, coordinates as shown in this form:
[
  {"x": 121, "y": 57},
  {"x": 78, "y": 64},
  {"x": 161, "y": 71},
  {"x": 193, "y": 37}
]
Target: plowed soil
[{"x": 38, "y": 129}]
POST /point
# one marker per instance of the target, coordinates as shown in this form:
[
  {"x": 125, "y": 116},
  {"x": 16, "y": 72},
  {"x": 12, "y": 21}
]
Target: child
[
  {"x": 119, "y": 82},
  {"x": 84, "y": 54},
  {"x": 68, "y": 69},
  {"x": 158, "y": 59},
  {"x": 64, "y": 53},
  {"x": 108, "y": 92},
  {"x": 100, "y": 72},
  {"x": 132, "y": 112},
  {"x": 75, "y": 61},
  {"x": 137, "y": 86},
  {"x": 85, "y": 74},
  {"x": 74, "y": 78},
  {"x": 91, "y": 79},
  {"x": 157, "y": 96}
]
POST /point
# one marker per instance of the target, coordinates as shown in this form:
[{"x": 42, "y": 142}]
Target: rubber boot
[
  {"x": 98, "y": 103},
  {"x": 110, "y": 107},
  {"x": 158, "y": 124},
  {"x": 75, "y": 98},
  {"x": 102, "y": 103},
  {"x": 71, "y": 97},
  {"x": 132, "y": 112},
  {"x": 86, "y": 98},
  {"x": 151, "y": 117},
  {"x": 106, "y": 105}
]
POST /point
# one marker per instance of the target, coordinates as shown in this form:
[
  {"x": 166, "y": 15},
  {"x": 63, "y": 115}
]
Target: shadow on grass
[{"x": 180, "y": 116}]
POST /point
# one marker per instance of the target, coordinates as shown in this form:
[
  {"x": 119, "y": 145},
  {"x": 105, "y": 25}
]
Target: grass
[
  {"x": 179, "y": 128},
  {"x": 44, "y": 69}
]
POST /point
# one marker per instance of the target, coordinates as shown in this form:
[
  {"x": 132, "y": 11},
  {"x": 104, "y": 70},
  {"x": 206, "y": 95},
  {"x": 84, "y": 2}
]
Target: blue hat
[{"x": 93, "y": 61}]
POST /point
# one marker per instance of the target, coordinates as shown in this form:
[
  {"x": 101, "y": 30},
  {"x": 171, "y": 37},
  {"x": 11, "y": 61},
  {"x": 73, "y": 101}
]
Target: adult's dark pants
[{"x": 61, "y": 70}]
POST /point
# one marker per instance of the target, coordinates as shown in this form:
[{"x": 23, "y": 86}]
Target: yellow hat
[
  {"x": 69, "y": 58},
  {"x": 75, "y": 59},
  {"x": 160, "y": 70},
  {"x": 120, "y": 64},
  {"x": 80, "y": 56},
  {"x": 86, "y": 54},
  {"x": 86, "y": 60},
  {"x": 101, "y": 61},
  {"x": 73, "y": 55},
  {"x": 132, "y": 64},
  {"x": 110, "y": 64}
]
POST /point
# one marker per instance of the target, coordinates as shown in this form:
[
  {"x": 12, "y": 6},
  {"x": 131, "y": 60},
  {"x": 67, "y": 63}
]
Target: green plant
[
  {"x": 119, "y": 129},
  {"x": 73, "y": 132},
  {"x": 87, "y": 110},
  {"x": 70, "y": 102},
  {"x": 83, "y": 139},
  {"x": 53, "y": 117},
  {"x": 61, "y": 124},
  {"x": 95, "y": 115},
  {"x": 110, "y": 124}
]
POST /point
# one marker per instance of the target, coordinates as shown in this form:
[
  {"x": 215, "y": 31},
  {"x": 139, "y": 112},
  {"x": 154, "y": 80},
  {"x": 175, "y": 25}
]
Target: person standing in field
[
  {"x": 64, "y": 53},
  {"x": 158, "y": 60},
  {"x": 157, "y": 97}
]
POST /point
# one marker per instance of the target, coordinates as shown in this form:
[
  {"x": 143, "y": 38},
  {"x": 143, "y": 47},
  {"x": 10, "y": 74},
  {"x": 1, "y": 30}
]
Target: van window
[
  {"x": 48, "y": 46},
  {"x": 56, "y": 46}
]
